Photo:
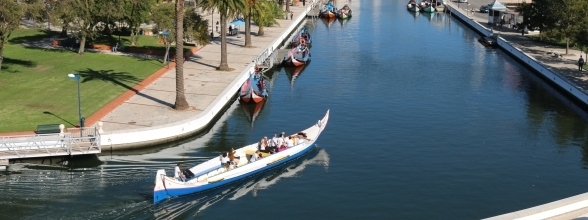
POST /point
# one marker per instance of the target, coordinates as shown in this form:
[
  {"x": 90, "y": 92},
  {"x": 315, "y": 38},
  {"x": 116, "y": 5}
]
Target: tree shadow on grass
[
  {"x": 119, "y": 79},
  {"x": 35, "y": 37},
  {"x": 25, "y": 63},
  {"x": 8, "y": 62}
]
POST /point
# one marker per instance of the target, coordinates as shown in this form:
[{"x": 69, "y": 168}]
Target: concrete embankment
[
  {"x": 560, "y": 76},
  {"x": 155, "y": 123},
  {"x": 554, "y": 73}
]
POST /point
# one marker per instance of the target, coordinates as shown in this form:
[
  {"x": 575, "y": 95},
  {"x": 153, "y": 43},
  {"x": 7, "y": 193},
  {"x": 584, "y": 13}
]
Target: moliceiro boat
[
  {"x": 212, "y": 174},
  {"x": 302, "y": 37},
  {"x": 298, "y": 56},
  {"x": 328, "y": 10},
  {"x": 254, "y": 89},
  {"x": 426, "y": 6},
  {"x": 413, "y": 6},
  {"x": 344, "y": 12}
]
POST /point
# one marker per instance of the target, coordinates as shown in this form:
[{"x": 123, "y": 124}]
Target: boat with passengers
[{"x": 213, "y": 174}]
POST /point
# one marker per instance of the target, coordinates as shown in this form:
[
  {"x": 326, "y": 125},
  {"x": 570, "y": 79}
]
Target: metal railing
[{"x": 72, "y": 142}]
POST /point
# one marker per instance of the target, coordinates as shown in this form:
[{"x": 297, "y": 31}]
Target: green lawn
[{"x": 35, "y": 88}]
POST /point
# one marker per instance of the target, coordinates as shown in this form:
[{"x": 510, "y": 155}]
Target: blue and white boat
[{"x": 211, "y": 174}]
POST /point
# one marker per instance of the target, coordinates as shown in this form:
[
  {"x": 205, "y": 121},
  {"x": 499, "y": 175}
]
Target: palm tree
[
  {"x": 266, "y": 15},
  {"x": 226, "y": 8},
  {"x": 252, "y": 7},
  {"x": 181, "y": 103}
]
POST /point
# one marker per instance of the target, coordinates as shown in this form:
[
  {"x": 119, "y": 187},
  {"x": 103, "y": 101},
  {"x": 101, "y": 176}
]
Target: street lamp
[{"x": 77, "y": 77}]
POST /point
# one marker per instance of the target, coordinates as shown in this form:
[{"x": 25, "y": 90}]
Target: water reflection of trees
[{"x": 565, "y": 119}]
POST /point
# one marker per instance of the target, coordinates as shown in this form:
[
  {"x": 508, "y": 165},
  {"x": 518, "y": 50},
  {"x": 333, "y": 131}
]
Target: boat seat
[
  {"x": 249, "y": 151},
  {"x": 212, "y": 173},
  {"x": 243, "y": 161},
  {"x": 263, "y": 154},
  {"x": 221, "y": 170},
  {"x": 202, "y": 178}
]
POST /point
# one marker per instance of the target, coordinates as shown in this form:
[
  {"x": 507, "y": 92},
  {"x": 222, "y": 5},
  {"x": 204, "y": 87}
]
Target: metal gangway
[{"x": 71, "y": 141}]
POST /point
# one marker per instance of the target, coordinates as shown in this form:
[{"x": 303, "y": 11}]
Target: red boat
[{"x": 254, "y": 89}]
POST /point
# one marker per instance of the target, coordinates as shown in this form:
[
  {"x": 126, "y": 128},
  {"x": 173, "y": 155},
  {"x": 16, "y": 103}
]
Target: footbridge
[{"x": 71, "y": 141}]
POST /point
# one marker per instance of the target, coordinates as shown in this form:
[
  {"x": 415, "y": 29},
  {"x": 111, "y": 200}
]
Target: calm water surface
[{"x": 425, "y": 124}]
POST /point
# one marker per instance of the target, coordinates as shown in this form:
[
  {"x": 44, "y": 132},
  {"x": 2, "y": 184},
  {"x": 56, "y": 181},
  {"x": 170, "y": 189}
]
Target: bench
[{"x": 48, "y": 129}]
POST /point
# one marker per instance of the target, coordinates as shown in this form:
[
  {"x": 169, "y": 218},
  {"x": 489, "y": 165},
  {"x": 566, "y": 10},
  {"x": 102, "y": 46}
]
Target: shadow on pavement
[{"x": 118, "y": 78}]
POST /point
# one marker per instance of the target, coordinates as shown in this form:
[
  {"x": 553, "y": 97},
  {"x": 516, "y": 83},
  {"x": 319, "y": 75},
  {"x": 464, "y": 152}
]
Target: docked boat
[
  {"x": 413, "y": 6},
  {"x": 297, "y": 56},
  {"x": 344, "y": 12},
  {"x": 328, "y": 10},
  {"x": 426, "y": 6},
  {"x": 439, "y": 5},
  {"x": 212, "y": 174},
  {"x": 254, "y": 89},
  {"x": 301, "y": 37},
  {"x": 488, "y": 41}
]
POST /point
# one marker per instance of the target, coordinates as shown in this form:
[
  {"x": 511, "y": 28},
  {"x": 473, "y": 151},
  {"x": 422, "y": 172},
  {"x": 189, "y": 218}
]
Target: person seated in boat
[
  {"x": 290, "y": 142},
  {"x": 224, "y": 160},
  {"x": 254, "y": 157},
  {"x": 279, "y": 140},
  {"x": 232, "y": 159},
  {"x": 283, "y": 147},
  {"x": 178, "y": 173},
  {"x": 263, "y": 146}
]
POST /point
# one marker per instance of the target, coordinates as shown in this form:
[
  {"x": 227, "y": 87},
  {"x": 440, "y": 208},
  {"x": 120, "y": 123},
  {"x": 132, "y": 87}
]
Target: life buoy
[{"x": 302, "y": 41}]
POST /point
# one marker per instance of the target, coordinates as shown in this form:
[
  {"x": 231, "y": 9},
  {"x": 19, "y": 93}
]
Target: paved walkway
[
  {"x": 565, "y": 65},
  {"x": 152, "y": 106}
]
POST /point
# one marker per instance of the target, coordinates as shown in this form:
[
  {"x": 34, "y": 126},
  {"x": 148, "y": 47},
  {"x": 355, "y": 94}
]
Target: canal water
[{"x": 425, "y": 123}]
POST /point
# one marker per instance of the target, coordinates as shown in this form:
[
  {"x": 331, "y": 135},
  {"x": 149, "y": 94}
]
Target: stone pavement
[
  {"x": 152, "y": 106},
  {"x": 565, "y": 65}
]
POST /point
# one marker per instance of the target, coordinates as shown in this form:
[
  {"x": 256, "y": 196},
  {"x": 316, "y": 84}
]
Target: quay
[
  {"x": 146, "y": 118},
  {"x": 546, "y": 60},
  {"x": 560, "y": 71}
]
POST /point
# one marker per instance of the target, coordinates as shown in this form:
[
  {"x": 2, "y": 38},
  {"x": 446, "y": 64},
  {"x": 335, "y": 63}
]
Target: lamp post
[{"x": 77, "y": 77}]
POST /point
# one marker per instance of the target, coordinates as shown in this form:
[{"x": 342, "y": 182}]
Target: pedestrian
[
  {"x": 580, "y": 63},
  {"x": 115, "y": 48},
  {"x": 303, "y": 2},
  {"x": 231, "y": 29},
  {"x": 291, "y": 15},
  {"x": 212, "y": 36},
  {"x": 217, "y": 26}
]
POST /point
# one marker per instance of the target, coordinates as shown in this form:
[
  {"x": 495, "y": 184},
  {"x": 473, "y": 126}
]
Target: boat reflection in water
[
  {"x": 189, "y": 206},
  {"x": 328, "y": 21},
  {"x": 252, "y": 109},
  {"x": 343, "y": 21},
  {"x": 294, "y": 72}
]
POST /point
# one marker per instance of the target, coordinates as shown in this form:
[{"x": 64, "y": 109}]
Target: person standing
[
  {"x": 291, "y": 15},
  {"x": 217, "y": 26},
  {"x": 178, "y": 173},
  {"x": 580, "y": 63}
]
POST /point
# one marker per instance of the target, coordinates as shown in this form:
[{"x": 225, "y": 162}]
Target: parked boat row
[
  {"x": 330, "y": 11},
  {"x": 426, "y": 6}
]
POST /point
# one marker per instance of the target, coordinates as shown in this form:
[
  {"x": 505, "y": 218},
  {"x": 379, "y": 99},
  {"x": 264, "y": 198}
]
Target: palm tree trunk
[
  {"x": 181, "y": 103},
  {"x": 82, "y": 44},
  {"x": 260, "y": 32},
  {"x": 248, "y": 29},
  {"x": 288, "y": 5},
  {"x": 224, "y": 64},
  {"x": 567, "y": 44},
  {"x": 2, "y": 39}
]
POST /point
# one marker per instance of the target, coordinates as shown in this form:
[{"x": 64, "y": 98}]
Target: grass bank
[{"x": 35, "y": 88}]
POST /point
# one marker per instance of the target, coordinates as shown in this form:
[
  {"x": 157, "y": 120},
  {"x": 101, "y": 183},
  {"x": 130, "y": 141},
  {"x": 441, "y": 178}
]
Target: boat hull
[
  {"x": 328, "y": 14},
  {"x": 166, "y": 187}
]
